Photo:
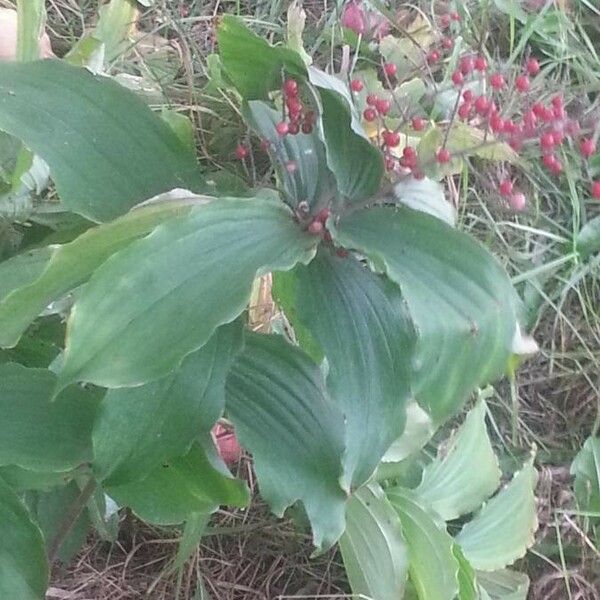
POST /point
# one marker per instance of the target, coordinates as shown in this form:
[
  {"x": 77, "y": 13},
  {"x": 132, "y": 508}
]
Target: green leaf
[
  {"x": 49, "y": 509},
  {"x": 31, "y": 17},
  {"x": 196, "y": 482},
  {"x": 23, "y": 566},
  {"x": 139, "y": 428},
  {"x": 296, "y": 19},
  {"x": 37, "y": 433},
  {"x": 106, "y": 150},
  {"x": 163, "y": 296},
  {"x": 277, "y": 400},
  {"x": 310, "y": 181},
  {"x": 460, "y": 299},
  {"x": 373, "y": 547},
  {"x": 504, "y": 529},
  {"x": 433, "y": 567},
  {"x": 356, "y": 164},
  {"x": 467, "y": 583},
  {"x": 504, "y": 584},
  {"x": 588, "y": 239},
  {"x": 25, "y": 479},
  {"x": 36, "y": 284},
  {"x": 115, "y": 22},
  {"x": 586, "y": 469},
  {"x": 427, "y": 196},
  {"x": 193, "y": 531},
  {"x": 468, "y": 472},
  {"x": 476, "y": 142},
  {"x": 252, "y": 64},
  {"x": 360, "y": 321}
]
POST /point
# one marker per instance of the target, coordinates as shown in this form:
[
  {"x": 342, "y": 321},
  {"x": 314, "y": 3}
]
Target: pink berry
[
  {"x": 557, "y": 167},
  {"x": 433, "y": 57},
  {"x": 323, "y": 215},
  {"x": 372, "y": 99},
  {"x": 443, "y": 155},
  {"x": 291, "y": 166},
  {"x": 557, "y": 101},
  {"x": 445, "y": 21},
  {"x": 532, "y": 66},
  {"x": 356, "y": 85},
  {"x": 481, "y": 64},
  {"x": 468, "y": 95},
  {"x": 315, "y": 228},
  {"x": 294, "y": 128},
  {"x": 464, "y": 110},
  {"x": 466, "y": 65},
  {"x": 383, "y": 106},
  {"x": 458, "y": 78},
  {"x": 409, "y": 152},
  {"x": 310, "y": 117},
  {"x": 518, "y": 202},
  {"x": 418, "y": 123},
  {"x": 307, "y": 128},
  {"x": 538, "y": 109},
  {"x": 497, "y": 81},
  {"x": 505, "y": 187},
  {"x": 496, "y": 123},
  {"x": 369, "y": 114},
  {"x": 290, "y": 87},
  {"x": 547, "y": 141},
  {"x": 447, "y": 43},
  {"x": 282, "y": 128},
  {"x": 241, "y": 152},
  {"x": 390, "y": 69},
  {"x": 390, "y": 138},
  {"x": 596, "y": 190},
  {"x": 455, "y": 16},
  {"x": 522, "y": 83},
  {"x": 482, "y": 105},
  {"x": 587, "y": 147}
]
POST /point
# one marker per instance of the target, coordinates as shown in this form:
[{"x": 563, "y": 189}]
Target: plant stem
[{"x": 70, "y": 519}]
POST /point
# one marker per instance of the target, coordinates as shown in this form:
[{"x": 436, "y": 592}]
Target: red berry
[
  {"x": 532, "y": 66},
  {"x": 455, "y": 16},
  {"x": 557, "y": 101},
  {"x": 557, "y": 167},
  {"x": 291, "y": 166},
  {"x": 315, "y": 228},
  {"x": 447, "y": 43},
  {"x": 310, "y": 117},
  {"x": 418, "y": 123},
  {"x": 468, "y": 95},
  {"x": 409, "y": 152},
  {"x": 559, "y": 112},
  {"x": 547, "y": 141},
  {"x": 596, "y": 190},
  {"x": 547, "y": 115},
  {"x": 530, "y": 122},
  {"x": 538, "y": 109},
  {"x": 369, "y": 114},
  {"x": 390, "y": 138},
  {"x": 307, "y": 127},
  {"x": 518, "y": 202},
  {"x": 510, "y": 126},
  {"x": 290, "y": 87},
  {"x": 294, "y": 105},
  {"x": 458, "y": 78},
  {"x": 505, "y": 187},
  {"x": 383, "y": 106},
  {"x": 587, "y": 147},
  {"x": 497, "y": 81},
  {"x": 241, "y": 152},
  {"x": 481, "y": 64},
  {"x": 482, "y": 105},
  {"x": 445, "y": 21},
  {"x": 342, "y": 252},
  {"x": 466, "y": 65},
  {"x": 496, "y": 123},
  {"x": 282, "y": 128},
  {"x": 433, "y": 57},
  {"x": 372, "y": 99},
  {"x": 323, "y": 215},
  {"x": 522, "y": 83},
  {"x": 443, "y": 155},
  {"x": 390, "y": 69},
  {"x": 356, "y": 85},
  {"x": 464, "y": 110},
  {"x": 294, "y": 128}
]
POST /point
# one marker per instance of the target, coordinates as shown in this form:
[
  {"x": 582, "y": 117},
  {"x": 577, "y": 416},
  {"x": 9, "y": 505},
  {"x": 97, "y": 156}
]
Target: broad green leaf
[
  {"x": 35, "y": 283},
  {"x": 252, "y": 64},
  {"x": 182, "y": 126},
  {"x": 586, "y": 469},
  {"x": 467, "y": 583},
  {"x": 106, "y": 150},
  {"x": 476, "y": 142},
  {"x": 116, "y": 20},
  {"x": 25, "y": 479},
  {"x": 468, "y": 472},
  {"x": 22, "y": 269},
  {"x": 433, "y": 567},
  {"x": 193, "y": 531},
  {"x": 503, "y": 584},
  {"x": 373, "y": 547},
  {"x": 277, "y": 399},
  {"x": 163, "y": 296},
  {"x": 504, "y": 529},
  {"x": 50, "y": 508},
  {"x": 356, "y": 164},
  {"x": 196, "y": 482},
  {"x": 23, "y": 565},
  {"x": 427, "y": 196},
  {"x": 360, "y": 321},
  {"x": 588, "y": 239},
  {"x": 459, "y": 297},
  {"x": 37, "y": 433},
  {"x": 139, "y": 428},
  {"x": 310, "y": 180},
  {"x": 31, "y": 17}
]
